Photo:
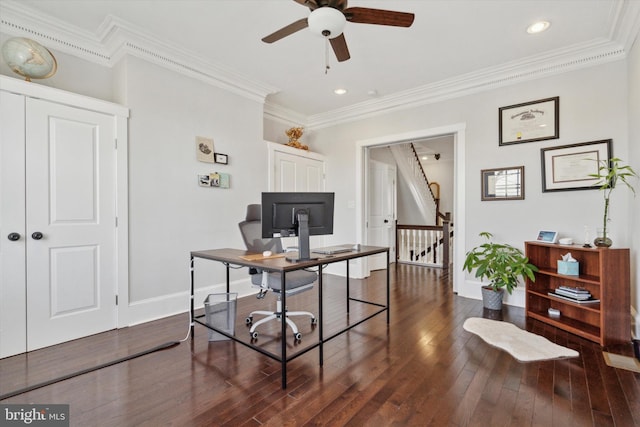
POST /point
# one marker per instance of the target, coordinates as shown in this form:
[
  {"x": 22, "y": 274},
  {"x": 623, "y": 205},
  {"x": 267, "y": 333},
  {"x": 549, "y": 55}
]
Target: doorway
[{"x": 362, "y": 190}]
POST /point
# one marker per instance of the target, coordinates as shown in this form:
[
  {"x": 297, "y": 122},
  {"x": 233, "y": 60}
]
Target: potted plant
[
  {"x": 609, "y": 174},
  {"x": 502, "y": 265}
]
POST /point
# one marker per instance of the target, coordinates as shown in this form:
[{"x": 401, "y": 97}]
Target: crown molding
[
  {"x": 278, "y": 113},
  {"x": 535, "y": 67},
  {"x": 117, "y": 38}
]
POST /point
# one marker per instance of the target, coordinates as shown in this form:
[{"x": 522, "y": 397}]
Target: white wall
[
  {"x": 593, "y": 106},
  {"x": 634, "y": 160},
  {"x": 170, "y": 215}
]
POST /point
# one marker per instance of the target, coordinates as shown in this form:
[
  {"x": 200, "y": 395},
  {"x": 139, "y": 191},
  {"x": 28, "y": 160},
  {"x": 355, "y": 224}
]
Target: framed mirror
[{"x": 502, "y": 183}]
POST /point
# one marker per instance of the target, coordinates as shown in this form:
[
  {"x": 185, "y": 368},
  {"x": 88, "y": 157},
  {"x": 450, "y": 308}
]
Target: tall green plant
[
  {"x": 500, "y": 263},
  {"x": 609, "y": 174}
]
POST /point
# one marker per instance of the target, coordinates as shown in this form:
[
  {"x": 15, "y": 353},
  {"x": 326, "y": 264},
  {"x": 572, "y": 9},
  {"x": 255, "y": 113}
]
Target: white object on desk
[{"x": 267, "y": 254}]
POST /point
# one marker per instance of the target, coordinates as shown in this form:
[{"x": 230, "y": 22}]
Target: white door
[
  {"x": 70, "y": 223},
  {"x": 13, "y": 321},
  {"x": 298, "y": 173},
  {"x": 381, "y": 211}
]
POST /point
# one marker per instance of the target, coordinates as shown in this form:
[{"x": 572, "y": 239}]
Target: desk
[{"x": 232, "y": 257}]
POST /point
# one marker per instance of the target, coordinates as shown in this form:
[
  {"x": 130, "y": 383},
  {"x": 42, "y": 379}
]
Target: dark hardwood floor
[{"x": 422, "y": 369}]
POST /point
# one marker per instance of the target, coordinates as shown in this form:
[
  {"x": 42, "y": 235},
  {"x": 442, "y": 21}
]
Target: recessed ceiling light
[
  {"x": 340, "y": 91},
  {"x": 538, "y": 27}
]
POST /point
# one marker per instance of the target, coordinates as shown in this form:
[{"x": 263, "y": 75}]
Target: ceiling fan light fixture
[{"x": 327, "y": 22}]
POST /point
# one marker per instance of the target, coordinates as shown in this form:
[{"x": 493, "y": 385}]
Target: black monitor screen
[{"x": 280, "y": 213}]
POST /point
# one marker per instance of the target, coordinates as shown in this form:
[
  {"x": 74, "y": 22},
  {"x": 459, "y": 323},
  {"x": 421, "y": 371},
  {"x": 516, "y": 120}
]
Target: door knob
[
  {"x": 13, "y": 236},
  {"x": 37, "y": 235},
  {"x": 386, "y": 221}
]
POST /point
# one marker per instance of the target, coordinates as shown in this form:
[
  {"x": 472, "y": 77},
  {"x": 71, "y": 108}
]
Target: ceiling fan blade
[
  {"x": 311, "y": 4},
  {"x": 339, "y": 45},
  {"x": 363, "y": 15},
  {"x": 286, "y": 31}
]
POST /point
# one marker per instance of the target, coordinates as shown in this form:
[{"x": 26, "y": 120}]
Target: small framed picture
[
  {"x": 221, "y": 158},
  {"x": 547, "y": 236},
  {"x": 204, "y": 149},
  {"x": 502, "y": 183}
]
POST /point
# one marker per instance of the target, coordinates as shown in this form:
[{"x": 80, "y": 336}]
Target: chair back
[{"x": 251, "y": 230}]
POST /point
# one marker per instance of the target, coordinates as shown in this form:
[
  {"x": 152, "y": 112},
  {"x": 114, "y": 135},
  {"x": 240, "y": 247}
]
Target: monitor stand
[{"x": 304, "y": 253}]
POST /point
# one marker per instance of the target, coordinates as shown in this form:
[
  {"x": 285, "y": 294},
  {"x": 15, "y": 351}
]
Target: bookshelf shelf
[{"x": 604, "y": 272}]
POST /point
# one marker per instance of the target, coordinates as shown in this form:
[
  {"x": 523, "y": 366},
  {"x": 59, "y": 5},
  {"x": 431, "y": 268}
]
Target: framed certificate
[
  {"x": 529, "y": 121},
  {"x": 571, "y": 167}
]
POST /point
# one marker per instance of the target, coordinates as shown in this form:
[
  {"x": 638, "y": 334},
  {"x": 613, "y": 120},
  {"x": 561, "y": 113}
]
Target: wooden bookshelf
[{"x": 603, "y": 271}]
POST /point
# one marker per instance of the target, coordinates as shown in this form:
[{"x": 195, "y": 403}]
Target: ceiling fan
[{"x": 328, "y": 18}]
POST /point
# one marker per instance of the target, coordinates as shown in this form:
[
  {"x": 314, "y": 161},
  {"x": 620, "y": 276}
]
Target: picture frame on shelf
[
  {"x": 570, "y": 167},
  {"x": 502, "y": 183},
  {"x": 529, "y": 121},
  {"x": 547, "y": 236}
]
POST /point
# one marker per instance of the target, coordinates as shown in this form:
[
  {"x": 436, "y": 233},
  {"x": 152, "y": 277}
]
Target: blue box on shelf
[{"x": 569, "y": 268}]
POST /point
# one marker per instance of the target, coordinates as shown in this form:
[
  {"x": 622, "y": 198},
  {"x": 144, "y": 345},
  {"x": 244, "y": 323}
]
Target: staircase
[
  {"x": 411, "y": 170},
  {"x": 428, "y": 245}
]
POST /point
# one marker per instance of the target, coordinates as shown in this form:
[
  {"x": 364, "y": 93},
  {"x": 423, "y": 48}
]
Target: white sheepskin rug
[{"x": 523, "y": 345}]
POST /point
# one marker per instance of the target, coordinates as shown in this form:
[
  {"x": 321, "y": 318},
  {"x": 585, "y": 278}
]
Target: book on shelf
[
  {"x": 577, "y": 301},
  {"x": 574, "y": 295},
  {"x": 575, "y": 289}
]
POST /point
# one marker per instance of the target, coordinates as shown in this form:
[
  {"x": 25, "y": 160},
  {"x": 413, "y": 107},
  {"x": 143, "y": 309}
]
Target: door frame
[
  {"x": 362, "y": 161},
  {"x": 120, "y": 116}
]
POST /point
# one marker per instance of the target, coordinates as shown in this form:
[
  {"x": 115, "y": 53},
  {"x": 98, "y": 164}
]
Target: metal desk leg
[
  {"x": 191, "y": 311},
  {"x": 320, "y": 336},
  {"x": 348, "y": 290},
  {"x": 388, "y": 277},
  {"x": 283, "y": 318}
]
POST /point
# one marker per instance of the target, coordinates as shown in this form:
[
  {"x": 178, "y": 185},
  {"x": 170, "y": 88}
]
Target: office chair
[{"x": 295, "y": 281}]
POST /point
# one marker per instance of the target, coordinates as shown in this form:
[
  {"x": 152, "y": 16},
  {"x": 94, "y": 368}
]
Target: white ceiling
[{"x": 452, "y": 43}]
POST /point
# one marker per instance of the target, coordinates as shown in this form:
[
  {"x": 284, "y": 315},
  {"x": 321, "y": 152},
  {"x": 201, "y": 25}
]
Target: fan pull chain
[{"x": 326, "y": 56}]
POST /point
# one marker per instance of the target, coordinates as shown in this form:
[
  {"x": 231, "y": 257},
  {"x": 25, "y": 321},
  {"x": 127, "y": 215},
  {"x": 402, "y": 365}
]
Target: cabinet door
[
  {"x": 13, "y": 326},
  {"x": 71, "y": 202}
]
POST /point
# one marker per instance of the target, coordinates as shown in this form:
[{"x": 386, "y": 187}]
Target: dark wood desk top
[{"x": 233, "y": 256}]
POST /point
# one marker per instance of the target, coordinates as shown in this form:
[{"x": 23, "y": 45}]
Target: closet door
[
  {"x": 13, "y": 321},
  {"x": 298, "y": 173},
  {"x": 70, "y": 223}
]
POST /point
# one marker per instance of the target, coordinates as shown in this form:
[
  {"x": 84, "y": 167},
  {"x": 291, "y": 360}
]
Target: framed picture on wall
[
  {"x": 569, "y": 167},
  {"x": 502, "y": 183},
  {"x": 204, "y": 149},
  {"x": 530, "y": 121}
]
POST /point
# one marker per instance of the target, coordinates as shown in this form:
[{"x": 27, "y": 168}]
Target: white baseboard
[
  {"x": 471, "y": 289},
  {"x": 168, "y": 305}
]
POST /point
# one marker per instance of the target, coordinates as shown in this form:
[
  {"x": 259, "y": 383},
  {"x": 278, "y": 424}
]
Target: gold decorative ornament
[{"x": 294, "y": 135}]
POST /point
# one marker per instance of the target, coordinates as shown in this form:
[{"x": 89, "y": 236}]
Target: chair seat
[{"x": 295, "y": 279}]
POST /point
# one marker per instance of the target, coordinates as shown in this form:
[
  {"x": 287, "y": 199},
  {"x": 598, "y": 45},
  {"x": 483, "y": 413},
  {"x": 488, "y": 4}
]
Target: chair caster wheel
[
  {"x": 314, "y": 320},
  {"x": 248, "y": 320},
  {"x": 254, "y": 335},
  {"x": 298, "y": 336}
]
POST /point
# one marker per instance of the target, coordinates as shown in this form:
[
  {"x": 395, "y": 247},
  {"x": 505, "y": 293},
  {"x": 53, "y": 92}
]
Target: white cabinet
[{"x": 60, "y": 242}]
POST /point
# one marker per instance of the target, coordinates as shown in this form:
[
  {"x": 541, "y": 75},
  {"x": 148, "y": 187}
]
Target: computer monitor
[{"x": 286, "y": 214}]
